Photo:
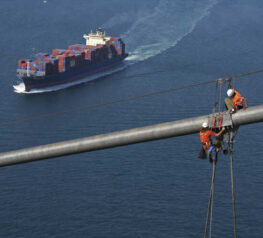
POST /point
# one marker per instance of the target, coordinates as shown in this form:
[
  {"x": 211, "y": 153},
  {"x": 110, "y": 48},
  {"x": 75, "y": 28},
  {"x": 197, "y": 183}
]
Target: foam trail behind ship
[{"x": 163, "y": 27}]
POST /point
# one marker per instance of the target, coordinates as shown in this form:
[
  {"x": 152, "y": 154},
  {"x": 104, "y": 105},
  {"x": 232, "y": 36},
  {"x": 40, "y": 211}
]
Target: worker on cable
[
  {"x": 207, "y": 144},
  {"x": 235, "y": 100}
]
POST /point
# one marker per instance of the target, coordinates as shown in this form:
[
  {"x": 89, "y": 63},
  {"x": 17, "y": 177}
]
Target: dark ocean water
[{"x": 155, "y": 189}]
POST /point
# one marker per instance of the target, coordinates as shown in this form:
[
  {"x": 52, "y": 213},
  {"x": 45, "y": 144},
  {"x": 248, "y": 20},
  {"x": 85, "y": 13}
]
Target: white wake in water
[
  {"x": 168, "y": 23},
  {"x": 20, "y": 88}
]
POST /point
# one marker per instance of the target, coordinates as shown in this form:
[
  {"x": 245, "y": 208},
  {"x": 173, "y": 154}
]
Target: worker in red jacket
[
  {"x": 235, "y": 100},
  {"x": 207, "y": 144}
]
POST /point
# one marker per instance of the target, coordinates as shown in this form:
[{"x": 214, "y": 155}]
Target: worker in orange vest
[
  {"x": 207, "y": 144},
  {"x": 235, "y": 100}
]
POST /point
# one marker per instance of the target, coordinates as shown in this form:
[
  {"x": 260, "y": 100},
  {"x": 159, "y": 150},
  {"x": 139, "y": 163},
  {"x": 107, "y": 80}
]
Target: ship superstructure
[{"x": 97, "y": 38}]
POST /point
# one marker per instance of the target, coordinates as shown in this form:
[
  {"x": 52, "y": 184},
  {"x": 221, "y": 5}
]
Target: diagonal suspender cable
[
  {"x": 232, "y": 186},
  {"x": 246, "y": 74},
  {"x": 233, "y": 195},
  {"x": 211, "y": 215},
  {"x": 212, "y": 202},
  {"x": 208, "y": 214},
  {"x": 105, "y": 103},
  {"x": 122, "y": 100}
]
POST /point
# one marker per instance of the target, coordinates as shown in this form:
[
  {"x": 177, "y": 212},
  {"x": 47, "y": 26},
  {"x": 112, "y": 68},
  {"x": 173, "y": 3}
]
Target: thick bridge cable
[
  {"x": 121, "y": 138},
  {"x": 48, "y": 115}
]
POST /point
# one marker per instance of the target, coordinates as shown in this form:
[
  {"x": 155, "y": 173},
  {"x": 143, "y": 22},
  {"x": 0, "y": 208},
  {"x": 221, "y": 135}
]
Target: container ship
[{"x": 64, "y": 66}]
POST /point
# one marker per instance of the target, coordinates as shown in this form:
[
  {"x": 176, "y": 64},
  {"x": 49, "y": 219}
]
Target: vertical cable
[
  {"x": 233, "y": 193},
  {"x": 210, "y": 198},
  {"x": 220, "y": 95},
  {"x": 215, "y": 100}
]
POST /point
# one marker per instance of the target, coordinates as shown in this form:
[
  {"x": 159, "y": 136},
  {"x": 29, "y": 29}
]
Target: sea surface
[{"x": 157, "y": 189}]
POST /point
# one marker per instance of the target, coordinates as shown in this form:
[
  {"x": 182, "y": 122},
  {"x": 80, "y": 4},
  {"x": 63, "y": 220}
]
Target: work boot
[{"x": 225, "y": 152}]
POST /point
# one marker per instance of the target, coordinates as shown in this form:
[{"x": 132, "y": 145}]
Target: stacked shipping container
[{"x": 62, "y": 60}]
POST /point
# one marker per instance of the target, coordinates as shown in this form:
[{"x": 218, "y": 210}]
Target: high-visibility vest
[
  {"x": 238, "y": 100},
  {"x": 205, "y": 137}
]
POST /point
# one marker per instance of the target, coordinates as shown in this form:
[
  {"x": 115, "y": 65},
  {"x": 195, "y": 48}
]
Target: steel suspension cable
[
  {"x": 245, "y": 74},
  {"x": 211, "y": 215},
  {"x": 212, "y": 202},
  {"x": 233, "y": 192},
  {"x": 220, "y": 96},
  {"x": 106, "y": 103},
  {"x": 208, "y": 214},
  {"x": 215, "y": 100}
]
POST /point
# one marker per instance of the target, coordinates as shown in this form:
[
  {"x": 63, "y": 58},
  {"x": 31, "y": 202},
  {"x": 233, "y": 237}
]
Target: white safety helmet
[
  {"x": 205, "y": 124},
  {"x": 230, "y": 92}
]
